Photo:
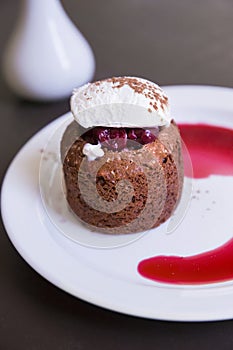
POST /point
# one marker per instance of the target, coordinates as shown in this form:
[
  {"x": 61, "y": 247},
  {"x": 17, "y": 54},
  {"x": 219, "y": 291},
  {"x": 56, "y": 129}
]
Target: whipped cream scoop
[{"x": 120, "y": 102}]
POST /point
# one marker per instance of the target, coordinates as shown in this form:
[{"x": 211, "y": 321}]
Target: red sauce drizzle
[{"x": 211, "y": 151}]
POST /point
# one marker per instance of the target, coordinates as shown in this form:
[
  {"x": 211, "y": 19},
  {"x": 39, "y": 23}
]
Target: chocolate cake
[{"x": 132, "y": 181}]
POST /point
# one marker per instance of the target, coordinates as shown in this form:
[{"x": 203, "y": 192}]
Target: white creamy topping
[
  {"x": 92, "y": 151},
  {"x": 120, "y": 102}
]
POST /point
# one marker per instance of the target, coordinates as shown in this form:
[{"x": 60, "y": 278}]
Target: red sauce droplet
[{"x": 211, "y": 151}]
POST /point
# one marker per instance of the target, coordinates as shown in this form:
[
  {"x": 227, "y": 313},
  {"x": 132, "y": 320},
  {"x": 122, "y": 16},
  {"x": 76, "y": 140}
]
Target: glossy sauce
[
  {"x": 210, "y": 148},
  {"x": 211, "y": 151}
]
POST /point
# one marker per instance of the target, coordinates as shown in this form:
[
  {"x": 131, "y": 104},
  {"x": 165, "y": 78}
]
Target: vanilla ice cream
[{"x": 121, "y": 102}]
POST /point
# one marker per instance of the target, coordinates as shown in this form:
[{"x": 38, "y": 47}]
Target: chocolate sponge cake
[{"x": 123, "y": 178}]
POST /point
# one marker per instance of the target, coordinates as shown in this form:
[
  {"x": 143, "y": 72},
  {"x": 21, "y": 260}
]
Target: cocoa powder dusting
[{"x": 146, "y": 88}]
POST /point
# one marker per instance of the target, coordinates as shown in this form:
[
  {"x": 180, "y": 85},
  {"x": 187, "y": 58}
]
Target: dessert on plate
[{"x": 122, "y": 159}]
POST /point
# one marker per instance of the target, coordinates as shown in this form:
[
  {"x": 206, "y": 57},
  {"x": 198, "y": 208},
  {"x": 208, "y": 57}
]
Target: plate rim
[{"x": 85, "y": 296}]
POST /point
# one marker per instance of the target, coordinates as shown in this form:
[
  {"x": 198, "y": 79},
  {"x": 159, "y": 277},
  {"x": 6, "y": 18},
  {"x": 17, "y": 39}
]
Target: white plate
[{"x": 108, "y": 277}]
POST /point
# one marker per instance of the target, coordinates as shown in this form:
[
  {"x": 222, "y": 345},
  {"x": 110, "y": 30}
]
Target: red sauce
[
  {"x": 213, "y": 266},
  {"x": 210, "y": 148},
  {"x": 211, "y": 151}
]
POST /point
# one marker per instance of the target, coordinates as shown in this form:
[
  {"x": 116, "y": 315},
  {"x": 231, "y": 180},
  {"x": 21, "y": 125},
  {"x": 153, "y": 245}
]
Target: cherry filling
[{"x": 116, "y": 139}]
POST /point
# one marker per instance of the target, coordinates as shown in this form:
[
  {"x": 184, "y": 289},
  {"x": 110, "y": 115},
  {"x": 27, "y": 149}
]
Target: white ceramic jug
[{"x": 47, "y": 56}]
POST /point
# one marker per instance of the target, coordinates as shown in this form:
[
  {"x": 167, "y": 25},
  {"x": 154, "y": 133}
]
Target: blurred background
[{"x": 172, "y": 42}]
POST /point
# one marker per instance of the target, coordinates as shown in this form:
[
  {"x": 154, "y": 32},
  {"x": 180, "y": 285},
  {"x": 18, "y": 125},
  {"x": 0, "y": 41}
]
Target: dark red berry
[
  {"x": 131, "y": 134},
  {"x": 138, "y": 132},
  {"x": 118, "y": 139},
  {"x": 147, "y": 137},
  {"x": 102, "y": 134}
]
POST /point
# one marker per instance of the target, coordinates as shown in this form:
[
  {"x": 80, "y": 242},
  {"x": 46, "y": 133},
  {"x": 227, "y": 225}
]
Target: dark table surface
[{"x": 171, "y": 42}]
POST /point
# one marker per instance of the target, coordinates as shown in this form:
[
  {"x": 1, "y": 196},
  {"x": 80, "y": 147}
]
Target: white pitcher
[{"x": 47, "y": 56}]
